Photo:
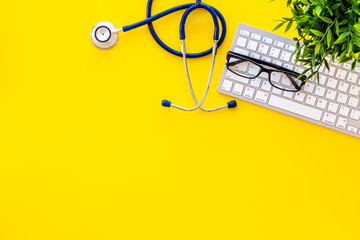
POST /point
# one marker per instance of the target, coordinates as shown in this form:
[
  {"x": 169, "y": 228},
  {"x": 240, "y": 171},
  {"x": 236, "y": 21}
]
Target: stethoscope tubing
[{"x": 190, "y": 7}]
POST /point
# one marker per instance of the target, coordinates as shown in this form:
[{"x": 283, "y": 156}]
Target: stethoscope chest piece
[{"x": 101, "y": 35}]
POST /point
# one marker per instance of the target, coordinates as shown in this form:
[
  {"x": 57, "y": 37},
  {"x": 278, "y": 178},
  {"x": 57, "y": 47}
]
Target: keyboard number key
[
  {"x": 241, "y": 42},
  {"x": 252, "y": 45},
  {"x": 352, "y": 77},
  {"x": 263, "y": 49}
]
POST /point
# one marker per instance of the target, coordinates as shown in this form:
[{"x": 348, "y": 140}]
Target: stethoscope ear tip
[
  {"x": 165, "y": 103},
  {"x": 232, "y": 104},
  {"x": 102, "y": 36}
]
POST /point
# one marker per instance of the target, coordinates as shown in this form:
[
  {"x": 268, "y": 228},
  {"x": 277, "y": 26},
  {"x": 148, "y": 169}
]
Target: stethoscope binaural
[{"x": 104, "y": 35}]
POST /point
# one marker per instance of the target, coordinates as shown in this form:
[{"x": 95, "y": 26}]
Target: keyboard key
[
  {"x": 275, "y": 77},
  {"x": 352, "y": 77},
  {"x": 310, "y": 100},
  {"x": 288, "y": 94},
  {"x": 331, "y": 95},
  {"x": 344, "y": 111},
  {"x": 227, "y": 85},
  {"x": 241, "y": 42},
  {"x": 266, "y": 86},
  {"x": 261, "y": 96},
  {"x": 285, "y": 56},
  {"x": 241, "y": 51},
  {"x": 276, "y": 62},
  {"x": 341, "y": 74},
  {"x": 355, "y": 114},
  {"x": 352, "y": 129},
  {"x": 332, "y": 83},
  {"x": 263, "y": 49},
  {"x": 331, "y": 72},
  {"x": 279, "y": 44},
  {"x": 244, "y": 33},
  {"x": 299, "y": 96},
  {"x": 354, "y": 90},
  {"x": 294, "y": 107},
  {"x": 254, "y": 69},
  {"x": 255, "y": 55},
  {"x": 266, "y": 59},
  {"x": 333, "y": 107},
  {"x": 255, "y": 82},
  {"x": 288, "y": 66},
  {"x": 322, "y": 79},
  {"x": 252, "y": 45},
  {"x": 276, "y": 90},
  {"x": 329, "y": 119},
  {"x": 255, "y": 36},
  {"x": 357, "y": 69},
  {"x": 353, "y": 102},
  {"x": 299, "y": 70},
  {"x": 347, "y": 66},
  {"x": 322, "y": 103},
  {"x": 341, "y": 123},
  {"x": 309, "y": 87},
  {"x": 319, "y": 91},
  {"x": 249, "y": 92},
  {"x": 238, "y": 88},
  {"x": 343, "y": 87},
  {"x": 274, "y": 52},
  {"x": 289, "y": 47},
  {"x": 267, "y": 40},
  {"x": 342, "y": 98},
  {"x": 235, "y": 77}
]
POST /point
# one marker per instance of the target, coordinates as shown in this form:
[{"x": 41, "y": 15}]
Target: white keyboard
[{"x": 333, "y": 102}]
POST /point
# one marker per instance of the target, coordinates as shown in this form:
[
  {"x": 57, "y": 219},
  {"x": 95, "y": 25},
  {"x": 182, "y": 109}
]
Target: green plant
[{"x": 326, "y": 27}]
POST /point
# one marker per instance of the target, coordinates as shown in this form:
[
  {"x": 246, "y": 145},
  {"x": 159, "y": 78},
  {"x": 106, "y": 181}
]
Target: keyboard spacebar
[{"x": 294, "y": 107}]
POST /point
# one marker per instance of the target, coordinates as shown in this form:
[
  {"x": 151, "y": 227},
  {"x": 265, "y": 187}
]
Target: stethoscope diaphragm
[{"x": 101, "y": 35}]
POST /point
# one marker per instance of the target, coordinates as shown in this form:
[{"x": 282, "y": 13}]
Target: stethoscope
[{"x": 105, "y": 35}]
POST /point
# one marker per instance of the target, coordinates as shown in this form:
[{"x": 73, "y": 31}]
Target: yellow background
[{"x": 87, "y": 152}]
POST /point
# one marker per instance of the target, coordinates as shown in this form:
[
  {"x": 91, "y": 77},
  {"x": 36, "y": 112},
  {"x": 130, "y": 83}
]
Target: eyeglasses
[{"x": 251, "y": 68}]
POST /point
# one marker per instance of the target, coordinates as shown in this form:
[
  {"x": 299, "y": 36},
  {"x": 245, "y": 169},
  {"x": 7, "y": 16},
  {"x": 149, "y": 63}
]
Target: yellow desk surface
[{"x": 87, "y": 152}]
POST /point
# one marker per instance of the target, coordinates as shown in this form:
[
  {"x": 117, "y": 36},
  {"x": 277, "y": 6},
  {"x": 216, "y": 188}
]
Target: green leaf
[
  {"x": 317, "y": 33},
  {"x": 317, "y": 48},
  {"x": 328, "y": 38},
  {"x": 357, "y": 26},
  {"x": 288, "y": 26},
  {"x": 342, "y": 38},
  {"x": 325, "y": 19},
  {"x": 318, "y": 10},
  {"x": 353, "y": 65},
  {"x": 326, "y": 65},
  {"x": 278, "y": 26}
]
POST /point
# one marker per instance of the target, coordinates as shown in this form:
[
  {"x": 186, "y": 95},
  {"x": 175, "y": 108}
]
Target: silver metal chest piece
[{"x": 101, "y": 35}]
